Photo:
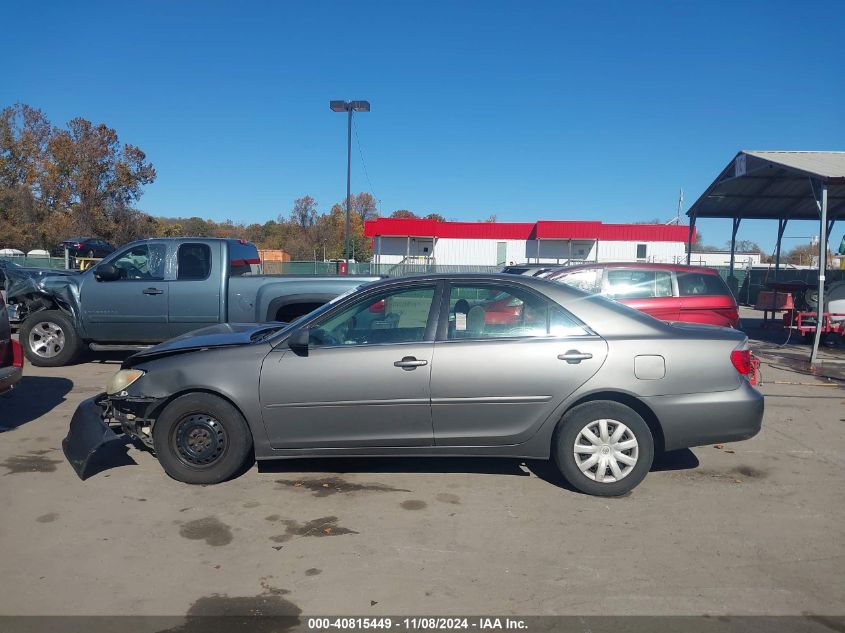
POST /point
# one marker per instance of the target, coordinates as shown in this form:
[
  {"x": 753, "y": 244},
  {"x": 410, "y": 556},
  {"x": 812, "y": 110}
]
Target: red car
[
  {"x": 669, "y": 292},
  {"x": 11, "y": 353}
]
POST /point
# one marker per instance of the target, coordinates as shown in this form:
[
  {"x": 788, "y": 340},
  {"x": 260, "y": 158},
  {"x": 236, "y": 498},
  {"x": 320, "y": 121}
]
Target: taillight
[
  {"x": 741, "y": 359},
  {"x": 17, "y": 354},
  {"x": 79, "y": 245}
]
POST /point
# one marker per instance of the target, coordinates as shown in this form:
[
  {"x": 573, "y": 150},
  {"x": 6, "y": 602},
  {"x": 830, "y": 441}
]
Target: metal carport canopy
[{"x": 782, "y": 186}]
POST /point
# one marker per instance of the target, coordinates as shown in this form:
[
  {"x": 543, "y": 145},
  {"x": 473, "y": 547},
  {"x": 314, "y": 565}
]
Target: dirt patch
[
  {"x": 413, "y": 504},
  {"x": 220, "y": 613},
  {"x": 448, "y": 497},
  {"x": 48, "y": 518},
  {"x": 738, "y": 474},
  {"x": 209, "y": 529},
  {"x": 272, "y": 517},
  {"x": 750, "y": 472},
  {"x": 324, "y": 526},
  {"x": 313, "y": 572},
  {"x": 334, "y": 485},
  {"x": 32, "y": 462},
  {"x": 251, "y": 504}
]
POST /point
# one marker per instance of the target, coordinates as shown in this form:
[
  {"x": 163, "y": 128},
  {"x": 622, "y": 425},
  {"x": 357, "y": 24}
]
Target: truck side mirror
[
  {"x": 298, "y": 341},
  {"x": 106, "y": 272}
]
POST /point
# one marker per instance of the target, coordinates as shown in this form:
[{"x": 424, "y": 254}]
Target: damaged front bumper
[
  {"x": 88, "y": 432},
  {"x": 91, "y": 429}
]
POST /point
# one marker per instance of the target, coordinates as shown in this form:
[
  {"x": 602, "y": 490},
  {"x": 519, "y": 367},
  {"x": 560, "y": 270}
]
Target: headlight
[{"x": 122, "y": 379}]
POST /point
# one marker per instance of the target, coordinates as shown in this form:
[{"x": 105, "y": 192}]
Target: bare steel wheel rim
[
  {"x": 606, "y": 451},
  {"x": 200, "y": 440},
  {"x": 46, "y": 339}
]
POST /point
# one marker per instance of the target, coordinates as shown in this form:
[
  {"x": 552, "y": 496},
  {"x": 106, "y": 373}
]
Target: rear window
[
  {"x": 696, "y": 284},
  {"x": 243, "y": 259}
]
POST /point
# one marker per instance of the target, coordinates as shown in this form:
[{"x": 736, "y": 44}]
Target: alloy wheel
[{"x": 46, "y": 339}]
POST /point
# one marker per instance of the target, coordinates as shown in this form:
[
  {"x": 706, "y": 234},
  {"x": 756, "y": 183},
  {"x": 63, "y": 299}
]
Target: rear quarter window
[
  {"x": 701, "y": 284},
  {"x": 243, "y": 259}
]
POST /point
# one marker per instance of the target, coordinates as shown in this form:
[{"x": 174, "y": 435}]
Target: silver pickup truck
[{"x": 152, "y": 290}]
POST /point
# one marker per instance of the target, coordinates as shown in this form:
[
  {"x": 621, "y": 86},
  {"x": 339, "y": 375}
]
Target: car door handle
[
  {"x": 409, "y": 362},
  {"x": 573, "y": 356},
  {"x": 152, "y": 291}
]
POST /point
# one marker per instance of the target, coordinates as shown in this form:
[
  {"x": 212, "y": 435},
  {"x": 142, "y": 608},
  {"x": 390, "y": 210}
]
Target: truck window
[
  {"x": 243, "y": 259},
  {"x": 143, "y": 262},
  {"x": 193, "y": 261}
]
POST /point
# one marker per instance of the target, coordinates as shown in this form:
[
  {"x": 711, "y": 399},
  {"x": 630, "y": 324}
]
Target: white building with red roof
[{"x": 398, "y": 240}]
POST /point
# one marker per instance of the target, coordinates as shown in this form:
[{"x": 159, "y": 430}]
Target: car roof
[{"x": 644, "y": 266}]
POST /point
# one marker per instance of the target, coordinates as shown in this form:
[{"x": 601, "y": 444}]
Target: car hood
[{"x": 222, "y": 335}]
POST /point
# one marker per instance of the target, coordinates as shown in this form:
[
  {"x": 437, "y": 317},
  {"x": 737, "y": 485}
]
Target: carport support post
[
  {"x": 689, "y": 238},
  {"x": 822, "y": 265},
  {"x": 732, "y": 282},
  {"x": 781, "y": 228}
]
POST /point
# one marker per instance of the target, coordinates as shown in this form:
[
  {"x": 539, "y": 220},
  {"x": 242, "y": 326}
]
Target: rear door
[
  {"x": 196, "y": 291},
  {"x": 650, "y": 291},
  {"x": 504, "y": 360}
]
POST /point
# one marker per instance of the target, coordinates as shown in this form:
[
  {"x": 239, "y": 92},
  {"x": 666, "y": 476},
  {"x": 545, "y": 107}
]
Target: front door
[
  {"x": 365, "y": 380},
  {"x": 134, "y": 307},
  {"x": 505, "y": 361}
]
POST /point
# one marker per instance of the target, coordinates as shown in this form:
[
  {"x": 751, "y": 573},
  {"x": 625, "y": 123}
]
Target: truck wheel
[
  {"x": 603, "y": 448},
  {"x": 49, "y": 339},
  {"x": 200, "y": 438}
]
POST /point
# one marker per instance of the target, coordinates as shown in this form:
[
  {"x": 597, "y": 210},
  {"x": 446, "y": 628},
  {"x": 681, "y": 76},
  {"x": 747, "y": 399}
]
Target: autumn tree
[
  {"x": 304, "y": 212},
  {"x": 435, "y": 216},
  {"x": 403, "y": 214},
  {"x": 56, "y": 182},
  {"x": 744, "y": 246}
]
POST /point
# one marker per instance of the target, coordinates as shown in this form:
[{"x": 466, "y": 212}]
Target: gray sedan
[{"x": 469, "y": 365}]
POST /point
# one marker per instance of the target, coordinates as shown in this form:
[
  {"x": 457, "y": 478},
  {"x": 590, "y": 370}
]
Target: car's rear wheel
[
  {"x": 603, "y": 448},
  {"x": 201, "y": 438}
]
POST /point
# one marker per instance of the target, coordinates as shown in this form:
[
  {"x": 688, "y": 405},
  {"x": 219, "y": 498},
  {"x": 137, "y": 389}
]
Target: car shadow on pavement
[
  {"x": 33, "y": 397},
  {"x": 341, "y": 465},
  {"x": 681, "y": 459},
  {"x": 543, "y": 469}
]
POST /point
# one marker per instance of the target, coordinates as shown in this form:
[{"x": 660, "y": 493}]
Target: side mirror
[
  {"x": 106, "y": 272},
  {"x": 298, "y": 341}
]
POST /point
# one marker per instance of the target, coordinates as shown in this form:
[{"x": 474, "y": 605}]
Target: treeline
[{"x": 60, "y": 182}]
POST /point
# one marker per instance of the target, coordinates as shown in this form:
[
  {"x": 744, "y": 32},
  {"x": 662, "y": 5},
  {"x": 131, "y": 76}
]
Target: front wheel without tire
[
  {"x": 49, "y": 339},
  {"x": 603, "y": 448},
  {"x": 200, "y": 438}
]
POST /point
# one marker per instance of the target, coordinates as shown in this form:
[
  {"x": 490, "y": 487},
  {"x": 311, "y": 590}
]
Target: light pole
[{"x": 350, "y": 107}]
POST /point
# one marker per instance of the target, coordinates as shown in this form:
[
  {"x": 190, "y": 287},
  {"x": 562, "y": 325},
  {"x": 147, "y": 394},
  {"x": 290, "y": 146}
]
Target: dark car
[
  {"x": 86, "y": 247},
  {"x": 395, "y": 368},
  {"x": 532, "y": 270},
  {"x": 11, "y": 354},
  {"x": 670, "y": 292}
]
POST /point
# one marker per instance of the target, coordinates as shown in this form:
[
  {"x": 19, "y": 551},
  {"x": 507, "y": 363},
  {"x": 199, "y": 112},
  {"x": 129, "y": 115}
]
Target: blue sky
[{"x": 525, "y": 110}]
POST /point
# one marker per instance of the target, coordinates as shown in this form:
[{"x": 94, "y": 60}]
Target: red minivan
[{"x": 669, "y": 292}]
